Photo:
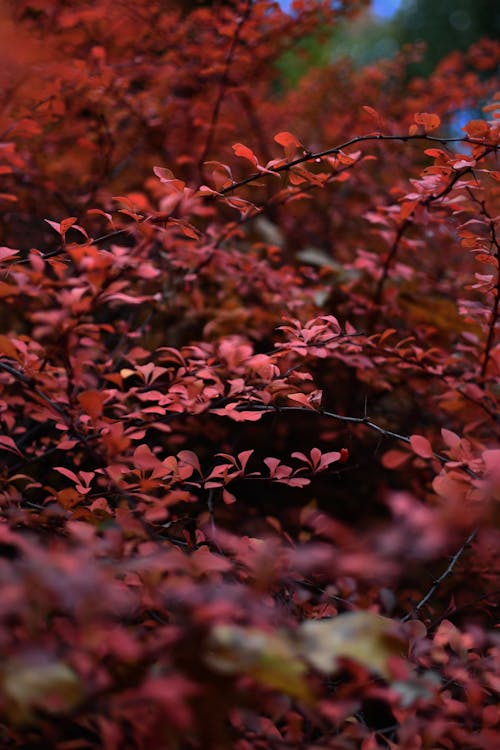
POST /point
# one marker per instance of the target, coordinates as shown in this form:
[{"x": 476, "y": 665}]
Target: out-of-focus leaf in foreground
[
  {"x": 38, "y": 684},
  {"x": 270, "y": 658},
  {"x": 281, "y": 660},
  {"x": 364, "y": 637}
]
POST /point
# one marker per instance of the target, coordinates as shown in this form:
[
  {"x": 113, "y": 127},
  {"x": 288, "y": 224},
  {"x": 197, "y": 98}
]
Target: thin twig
[
  {"x": 489, "y": 147},
  {"x": 34, "y": 389},
  {"x": 468, "y": 605},
  {"x": 437, "y": 583},
  {"x": 224, "y": 84},
  {"x": 252, "y": 406},
  {"x": 379, "y": 291},
  {"x": 100, "y": 460},
  {"x": 210, "y": 504},
  {"x": 494, "y": 312}
]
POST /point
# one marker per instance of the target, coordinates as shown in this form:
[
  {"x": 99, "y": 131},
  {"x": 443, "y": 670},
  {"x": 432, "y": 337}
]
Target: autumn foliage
[{"x": 249, "y": 386}]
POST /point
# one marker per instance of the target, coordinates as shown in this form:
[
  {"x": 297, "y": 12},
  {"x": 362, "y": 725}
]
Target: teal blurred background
[{"x": 441, "y": 25}]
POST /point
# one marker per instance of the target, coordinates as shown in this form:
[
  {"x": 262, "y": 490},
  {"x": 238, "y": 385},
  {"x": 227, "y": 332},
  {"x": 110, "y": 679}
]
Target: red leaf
[
  {"x": 451, "y": 439},
  {"x": 477, "y": 129},
  {"x": 272, "y": 464},
  {"x": 290, "y": 143},
  {"x": 67, "y": 224},
  {"x": 163, "y": 173},
  {"x": 296, "y": 481},
  {"x": 67, "y": 445},
  {"x": 329, "y": 458},
  {"x": 421, "y": 446},
  {"x": 7, "y": 253},
  {"x": 55, "y": 225},
  {"x": 407, "y": 209},
  {"x": 300, "y": 398},
  {"x": 206, "y": 561},
  {"x": 491, "y": 460},
  {"x": 98, "y": 212},
  {"x": 92, "y": 402},
  {"x": 463, "y": 163},
  {"x": 315, "y": 457},
  {"x": 228, "y": 497},
  {"x": 245, "y": 153},
  {"x": 372, "y": 112},
  {"x": 67, "y": 473},
  {"x": 7, "y": 444},
  {"x": 386, "y": 334},
  {"x": 220, "y": 173},
  {"x": 230, "y": 410},
  {"x": 167, "y": 177},
  {"x": 191, "y": 459},
  {"x": 284, "y": 138},
  {"x": 243, "y": 458},
  {"x": 144, "y": 459},
  {"x": 394, "y": 458},
  {"x": 7, "y": 348},
  {"x": 450, "y": 488},
  {"x": 428, "y": 121}
]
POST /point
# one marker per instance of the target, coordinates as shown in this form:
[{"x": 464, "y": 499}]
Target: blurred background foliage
[{"x": 434, "y": 28}]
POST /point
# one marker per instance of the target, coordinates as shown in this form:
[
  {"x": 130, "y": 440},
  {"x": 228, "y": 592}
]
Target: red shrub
[{"x": 249, "y": 386}]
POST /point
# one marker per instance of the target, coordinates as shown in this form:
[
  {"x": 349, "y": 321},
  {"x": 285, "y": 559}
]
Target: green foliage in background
[{"x": 436, "y": 27}]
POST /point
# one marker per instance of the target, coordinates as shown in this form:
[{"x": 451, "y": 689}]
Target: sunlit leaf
[
  {"x": 35, "y": 682},
  {"x": 270, "y": 658},
  {"x": 364, "y": 637}
]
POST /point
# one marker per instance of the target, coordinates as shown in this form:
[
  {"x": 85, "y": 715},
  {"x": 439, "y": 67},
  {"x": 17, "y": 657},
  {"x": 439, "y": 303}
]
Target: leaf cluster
[{"x": 249, "y": 387}]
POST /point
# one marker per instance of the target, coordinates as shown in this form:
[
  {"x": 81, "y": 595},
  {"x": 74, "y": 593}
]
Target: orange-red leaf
[
  {"x": 92, "y": 402},
  {"x": 245, "y": 153},
  {"x": 477, "y": 129},
  {"x": 428, "y": 121}
]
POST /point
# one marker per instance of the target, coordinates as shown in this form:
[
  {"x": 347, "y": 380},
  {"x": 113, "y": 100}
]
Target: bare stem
[
  {"x": 437, "y": 583},
  {"x": 494, "y": 312},
  {"x": 489, "y": 147},
  {"x": 224, "y": 84}
]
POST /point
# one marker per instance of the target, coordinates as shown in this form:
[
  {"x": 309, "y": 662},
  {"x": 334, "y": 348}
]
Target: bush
[{"x": 249, "y": 386}]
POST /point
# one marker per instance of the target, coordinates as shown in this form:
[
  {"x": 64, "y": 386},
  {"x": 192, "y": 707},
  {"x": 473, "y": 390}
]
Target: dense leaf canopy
[{"x": 249, "y": 385}]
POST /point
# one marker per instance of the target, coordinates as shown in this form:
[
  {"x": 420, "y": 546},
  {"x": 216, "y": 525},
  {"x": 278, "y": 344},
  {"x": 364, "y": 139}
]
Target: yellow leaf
[
  {"x": 269, "y": 658},
  {"x": 127, "y": 373},
  {"x": 37, "y": 683},
  {"x": 364, "y": 637}
]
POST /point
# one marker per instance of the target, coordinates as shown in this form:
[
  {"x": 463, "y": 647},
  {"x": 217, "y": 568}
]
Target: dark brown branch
[
  {"x": 379, "y": 291},
  {"x": 468, "y": 605},
  {"x": 402, "y": 229},
  {"x": 444, "y": 377},
  {"x": 252, "y": 406},
  {"x": 34, "y": 389},
  {"x": 85, "y": 440},
  {"x": 494, "y": 312},
  {"x": 388, "y": 261},
  {"x": 224, "y": 84},
  {"x": 437, "y": 583},
  {"x": 489, "y": 147}
]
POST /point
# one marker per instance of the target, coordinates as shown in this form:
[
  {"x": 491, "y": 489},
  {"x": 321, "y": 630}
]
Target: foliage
[
  {"x": 433, "y": 29},
  {"x": 446, "y": 26},
  {"x": 249, "y": 387}
]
